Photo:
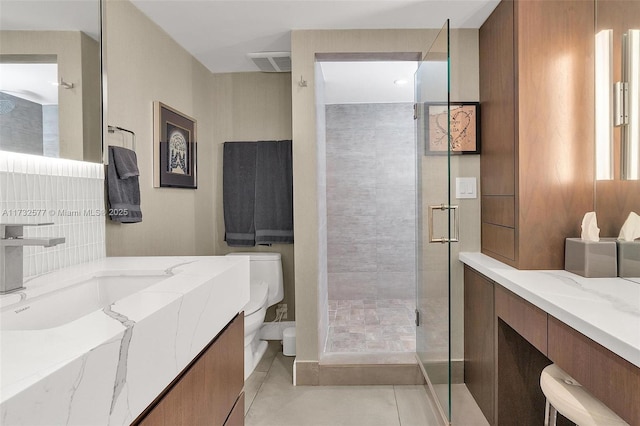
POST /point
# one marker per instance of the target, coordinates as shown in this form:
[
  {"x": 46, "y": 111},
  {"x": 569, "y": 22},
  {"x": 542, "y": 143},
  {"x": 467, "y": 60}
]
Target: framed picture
[
  {"x": 174, "y": 148},
  {"x": 465, "y": 128}
]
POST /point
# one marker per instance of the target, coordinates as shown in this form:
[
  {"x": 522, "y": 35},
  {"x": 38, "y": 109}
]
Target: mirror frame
[{"x": 103, "y": 77}]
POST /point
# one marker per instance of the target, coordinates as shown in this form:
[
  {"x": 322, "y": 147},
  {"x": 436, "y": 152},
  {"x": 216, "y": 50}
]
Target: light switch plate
[{"x": 466, "y": 187}]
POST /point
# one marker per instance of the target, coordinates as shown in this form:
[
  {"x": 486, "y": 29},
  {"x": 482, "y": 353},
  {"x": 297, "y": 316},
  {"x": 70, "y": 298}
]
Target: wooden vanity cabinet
[
  {"x": 209, "y": 390},
  {"x": 610, "y": 378},
  {"x": 479, "y": 341},
  {"x": 537, "y": 97},
  {"x": 507, "y": 343}
]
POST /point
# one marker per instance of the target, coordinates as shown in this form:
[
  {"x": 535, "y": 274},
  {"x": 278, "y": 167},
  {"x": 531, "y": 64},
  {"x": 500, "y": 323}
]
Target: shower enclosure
[
  {"x": 437, "y": 226},
  {"x": 388, "y": 226}
]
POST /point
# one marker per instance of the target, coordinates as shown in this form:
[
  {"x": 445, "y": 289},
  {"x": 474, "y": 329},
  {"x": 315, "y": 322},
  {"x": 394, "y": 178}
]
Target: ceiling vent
[{"x": 272, "y": 61}]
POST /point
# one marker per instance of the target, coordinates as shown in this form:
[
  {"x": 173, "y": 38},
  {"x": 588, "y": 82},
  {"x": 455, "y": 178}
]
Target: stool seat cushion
[{"x": 573, "y": 401}]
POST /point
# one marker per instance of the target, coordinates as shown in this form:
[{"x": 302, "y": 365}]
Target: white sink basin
[
  {"x": 68, "y": 357},
  {"x": 76, "y": 300}
]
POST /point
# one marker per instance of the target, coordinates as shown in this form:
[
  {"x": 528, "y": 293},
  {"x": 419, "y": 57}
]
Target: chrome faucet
[{"x": 11, "y": 253}]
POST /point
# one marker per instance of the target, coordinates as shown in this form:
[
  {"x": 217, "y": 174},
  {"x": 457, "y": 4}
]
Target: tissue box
[
  {"x": 591, "y": 259},
  {"x": 628, "y": 259}
]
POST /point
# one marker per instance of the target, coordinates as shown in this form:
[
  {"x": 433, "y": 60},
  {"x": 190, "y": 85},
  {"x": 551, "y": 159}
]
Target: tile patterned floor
[
  {"x": 272, "y": 400},
  {"x": 385, "y": 325}
]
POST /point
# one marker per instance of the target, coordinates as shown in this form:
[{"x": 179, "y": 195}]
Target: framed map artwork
[
  {"x": 174, "y": 148},
  {"x": 465, "y": 128}
]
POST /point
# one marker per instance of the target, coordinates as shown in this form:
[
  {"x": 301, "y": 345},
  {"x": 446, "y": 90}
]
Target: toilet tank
[{"x": 266, "y": 267}]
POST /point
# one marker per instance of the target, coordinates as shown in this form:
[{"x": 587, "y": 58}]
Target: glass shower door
[{"x": 435, "y": 219}]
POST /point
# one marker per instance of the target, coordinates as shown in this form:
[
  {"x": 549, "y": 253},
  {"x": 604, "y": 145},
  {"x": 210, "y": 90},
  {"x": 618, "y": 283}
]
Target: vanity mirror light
[
  {"x": 631, "y": 105},
  {"x": 50, "y": 78},
  {"x": 604, "y": 105}
]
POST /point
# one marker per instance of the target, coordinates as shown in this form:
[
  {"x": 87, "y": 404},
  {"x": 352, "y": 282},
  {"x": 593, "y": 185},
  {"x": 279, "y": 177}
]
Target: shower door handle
[{"x": 456, "y": 224}]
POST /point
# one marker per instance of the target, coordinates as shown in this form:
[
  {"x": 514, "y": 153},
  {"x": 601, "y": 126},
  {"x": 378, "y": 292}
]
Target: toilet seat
[{"x": 258, "y": 294}]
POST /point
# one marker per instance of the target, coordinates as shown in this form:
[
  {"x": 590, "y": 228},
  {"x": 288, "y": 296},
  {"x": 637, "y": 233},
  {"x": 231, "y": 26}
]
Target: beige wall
[
  {"x": 305, "y": 44},
  {"x": 78, "y": 58},
  {"x": 145, "y": 65},
  {"x": 250, "y": 107}
]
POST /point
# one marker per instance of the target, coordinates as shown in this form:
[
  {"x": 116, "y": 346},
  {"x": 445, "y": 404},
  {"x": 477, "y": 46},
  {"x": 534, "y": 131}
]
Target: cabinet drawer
[
  {"x": 499, "y": 210},
  {"x": 499, "y": 240},
  {"x": 611, "y": 379},
  {"x": 528, "y": 320}
]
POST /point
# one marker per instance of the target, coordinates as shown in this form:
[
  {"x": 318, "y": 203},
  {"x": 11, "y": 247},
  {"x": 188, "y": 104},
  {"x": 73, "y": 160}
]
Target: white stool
[{"x": 567, "y": 397}]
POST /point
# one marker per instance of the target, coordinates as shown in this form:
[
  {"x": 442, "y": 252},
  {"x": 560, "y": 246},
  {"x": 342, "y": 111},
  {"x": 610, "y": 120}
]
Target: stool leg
[
  {"x": 546, "y": 412},
  {"x": 554, "y": 415}
]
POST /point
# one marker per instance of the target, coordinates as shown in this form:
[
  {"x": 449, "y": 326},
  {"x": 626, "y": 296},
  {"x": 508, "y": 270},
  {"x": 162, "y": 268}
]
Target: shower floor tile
[{"x": 371, "y": 326}]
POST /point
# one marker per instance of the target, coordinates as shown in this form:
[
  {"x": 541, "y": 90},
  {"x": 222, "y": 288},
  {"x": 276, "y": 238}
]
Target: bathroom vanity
[
  {"x": 517, "y": 322},
  {"x": 121, "y": 340}
]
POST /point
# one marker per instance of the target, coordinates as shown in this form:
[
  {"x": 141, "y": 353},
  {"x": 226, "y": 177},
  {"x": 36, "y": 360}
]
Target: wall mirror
[
  {"x": 50, "y": 78},
  {"x": 617, "y": 77}
]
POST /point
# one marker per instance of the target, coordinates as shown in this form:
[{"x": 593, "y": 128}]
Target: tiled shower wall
[
  {"x": 68, "y": 193},
  {"x": 370, "y": 157}
]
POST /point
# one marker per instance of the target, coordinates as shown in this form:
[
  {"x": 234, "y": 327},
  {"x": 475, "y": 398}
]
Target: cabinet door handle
[{"x": 456, "y": 224}]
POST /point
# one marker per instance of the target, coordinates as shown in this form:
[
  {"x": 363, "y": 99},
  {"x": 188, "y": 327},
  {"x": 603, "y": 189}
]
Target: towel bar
[{"x": 113, "y": 129}]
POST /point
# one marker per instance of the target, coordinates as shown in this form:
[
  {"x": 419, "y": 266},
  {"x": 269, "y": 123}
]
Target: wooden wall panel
[
  {"x": 537, "y": 95},
  {"x": 615, "y": 199},
  {"x": 479, "y": 338},
  {"x": 611, "y": 379},
  {"x": 555, "y": 80},
  {"x": 497, "y": 89}
]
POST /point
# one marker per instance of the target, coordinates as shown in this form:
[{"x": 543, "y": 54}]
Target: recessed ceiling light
[{"x": 400, "y": 82}]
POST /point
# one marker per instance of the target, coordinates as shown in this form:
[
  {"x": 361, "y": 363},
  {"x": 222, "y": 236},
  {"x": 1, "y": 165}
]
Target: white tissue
[
  {"x": 631, "y": 228},
  {"x": 590, "y": 230}
]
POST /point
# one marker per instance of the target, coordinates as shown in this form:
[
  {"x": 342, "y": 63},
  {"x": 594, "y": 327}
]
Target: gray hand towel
[
  {"x": 123, "y": 193},
  {"x": 274, "y": 193},
  {"x": 125, "y": 161},
  {"x": 238, "y": 193}
]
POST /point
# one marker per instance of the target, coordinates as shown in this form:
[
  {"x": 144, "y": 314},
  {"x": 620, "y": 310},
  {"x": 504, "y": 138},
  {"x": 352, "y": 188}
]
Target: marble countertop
[
  {"x": 108, "y": 365},
  {"x": 607, "y": 310}
]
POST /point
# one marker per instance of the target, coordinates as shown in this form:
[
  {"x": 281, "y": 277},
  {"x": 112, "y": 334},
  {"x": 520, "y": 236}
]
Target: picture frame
[
  {"x": 174, "y": 148},
  {"x": 465, "y": 128}
]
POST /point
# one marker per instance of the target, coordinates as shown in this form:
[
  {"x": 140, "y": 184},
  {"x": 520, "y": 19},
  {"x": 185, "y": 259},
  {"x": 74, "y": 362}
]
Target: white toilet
[{"x": 266, "y": 289}]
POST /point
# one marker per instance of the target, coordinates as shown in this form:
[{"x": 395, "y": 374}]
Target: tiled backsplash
[{"x": 68, "y": 193}]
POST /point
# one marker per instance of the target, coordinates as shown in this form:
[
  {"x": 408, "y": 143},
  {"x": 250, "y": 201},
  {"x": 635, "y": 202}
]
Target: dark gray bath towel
[
  {"x": 126, "y": 162},
  {"x": 274, "y": 193},
  {"x": 238, "y": 193},
  {"x": 123, "y": 193}
]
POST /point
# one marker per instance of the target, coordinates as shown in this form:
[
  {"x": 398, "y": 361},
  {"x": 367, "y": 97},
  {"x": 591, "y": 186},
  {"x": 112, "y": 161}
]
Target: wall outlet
[{"x": 282, "y": 308}]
